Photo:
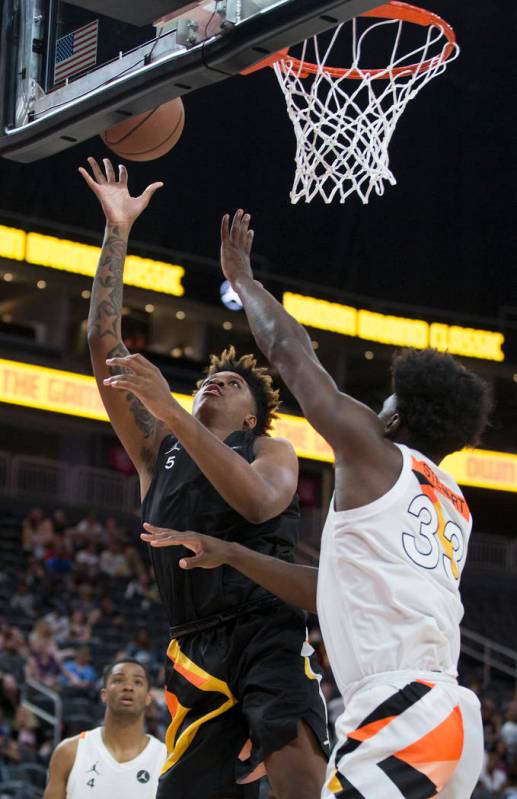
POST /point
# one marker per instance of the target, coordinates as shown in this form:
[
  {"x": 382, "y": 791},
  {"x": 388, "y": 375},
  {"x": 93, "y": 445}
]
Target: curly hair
[
  {"x": 444, "y": 406},
  {"x": 260, "y": 382}
]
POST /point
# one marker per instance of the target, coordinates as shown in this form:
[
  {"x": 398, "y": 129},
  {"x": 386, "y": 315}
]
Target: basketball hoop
[{"x": 344, "y": 118}]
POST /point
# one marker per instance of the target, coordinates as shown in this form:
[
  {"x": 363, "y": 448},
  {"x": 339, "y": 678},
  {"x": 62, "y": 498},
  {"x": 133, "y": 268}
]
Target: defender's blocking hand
[{"x": 236, "y": 242}]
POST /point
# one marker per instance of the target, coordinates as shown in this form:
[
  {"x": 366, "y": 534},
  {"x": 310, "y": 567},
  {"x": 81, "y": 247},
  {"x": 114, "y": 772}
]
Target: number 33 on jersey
[{"x": 440, "y": 540}]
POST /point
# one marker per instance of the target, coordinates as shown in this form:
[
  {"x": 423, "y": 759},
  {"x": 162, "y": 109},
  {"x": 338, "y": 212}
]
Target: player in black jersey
[{"x": 241, "y": 687}]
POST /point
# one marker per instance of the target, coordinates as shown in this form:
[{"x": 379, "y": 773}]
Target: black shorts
[{"x": 251, "y": 679}]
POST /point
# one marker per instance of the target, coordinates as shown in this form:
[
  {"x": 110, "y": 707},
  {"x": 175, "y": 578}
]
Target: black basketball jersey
[{"x": 180, "y": 497}]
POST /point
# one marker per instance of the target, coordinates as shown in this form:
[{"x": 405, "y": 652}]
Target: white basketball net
[{"x": 343, "y": 126}]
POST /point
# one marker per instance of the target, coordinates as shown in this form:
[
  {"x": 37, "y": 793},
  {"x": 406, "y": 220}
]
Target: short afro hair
[
  {"x": 108, "y": 670},
  {"x": 443, "y": 405},
  {"x": 260, "y": 382}
]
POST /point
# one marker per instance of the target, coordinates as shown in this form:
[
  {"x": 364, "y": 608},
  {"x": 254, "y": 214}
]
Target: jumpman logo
[
  {"x": 175, "y": 448},
  {"x": 94, "y": 769}
]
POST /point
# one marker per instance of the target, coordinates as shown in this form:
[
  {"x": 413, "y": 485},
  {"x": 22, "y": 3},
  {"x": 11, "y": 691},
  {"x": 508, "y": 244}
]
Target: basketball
[{"x": 147, "y": 136}]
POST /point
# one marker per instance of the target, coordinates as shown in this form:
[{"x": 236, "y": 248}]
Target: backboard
[{"x": 68, "y": 71}]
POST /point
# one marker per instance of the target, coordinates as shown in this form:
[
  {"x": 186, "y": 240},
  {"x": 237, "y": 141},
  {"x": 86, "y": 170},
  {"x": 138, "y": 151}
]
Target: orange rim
[{"x": 396, "y": 10}]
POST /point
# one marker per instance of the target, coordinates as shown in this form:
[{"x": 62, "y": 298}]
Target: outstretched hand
[
  {"x": 118, "y": 205},
  {"x": 209, "y": 552},
  {"x": 236, "y": 242}
]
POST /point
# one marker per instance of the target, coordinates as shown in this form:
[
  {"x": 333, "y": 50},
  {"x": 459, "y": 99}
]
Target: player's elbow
[
  {"x": 264, "y": 509},
  {"x": 93, "y": 338},
  {"x": 260, "y": 511},
  {"x": 256, "y": 515},
  {"x": 290, "y": 351}
]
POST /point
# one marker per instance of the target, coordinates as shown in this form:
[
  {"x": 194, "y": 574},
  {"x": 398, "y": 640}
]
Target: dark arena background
[{"x": 432, "y": 257}]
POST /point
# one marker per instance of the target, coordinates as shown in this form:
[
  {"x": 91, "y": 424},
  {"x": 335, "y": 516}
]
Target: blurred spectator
[
  {"x": 112, "y": 530},
  {"x": 79, "y": 630},
  {"x": 25, "y": 723},
  {"x": 29, "y": 528},
  {"x": 78, "y": 671},
  {"x": 134, "y": 561},
  {"x": 480, "y": 792},
  {"x": 501, "y": 755},
  {"x": 35, "y": 574},
  {"x": 509, "y": 730},
  {"x": 143, "y": 589},
  {"x": 88, "y": 530},
  {"x": 39, "y": 537},
  {"x": 86, "y": 601},
  {"x": 23, "y": 599},
  {"x": 510, "y": 792},
  {"x": 59, "y": 561},
  {"x": 12, "y": 665},
  {"x": 105, "y": 613},
  {"x": 141, "y": 648},
  {"x": 42, "y": 664},
  {"x": 114, "y": 562},
  {"x": 87, "y": 560},
  {"x": 492, "y": 777},
  {"x": 43, "y": 632},
  {"x": 110, "y": 622},
  {"x": 10, "y": 751},
  {"x": 60, "y": 520},
  {"x": 491, "y": 722},
  {"x": 59, "y": 622}
]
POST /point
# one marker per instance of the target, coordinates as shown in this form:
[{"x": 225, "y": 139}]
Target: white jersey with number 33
[
  {"x": 388, "y": 585},
  {"x": 96, "y": 773}
]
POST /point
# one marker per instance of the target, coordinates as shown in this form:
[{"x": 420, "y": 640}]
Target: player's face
[
  {"x": 127, "y": 690},
  {"x": 228, "y": 394}
]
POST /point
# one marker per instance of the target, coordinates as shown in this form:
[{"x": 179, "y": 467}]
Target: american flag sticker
[{"x": 76, "y": 51}]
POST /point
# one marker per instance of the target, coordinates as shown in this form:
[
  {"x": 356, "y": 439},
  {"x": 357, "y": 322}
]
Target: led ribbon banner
[
  {"x": 395, "y": 330},
  {"x": 159, "y": 276},
  {"x": 67, "y": 392},
  {"x": 81, "y": 259}
]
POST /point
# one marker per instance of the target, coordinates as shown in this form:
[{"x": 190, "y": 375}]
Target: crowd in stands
[{"x": 78, "y": 595}]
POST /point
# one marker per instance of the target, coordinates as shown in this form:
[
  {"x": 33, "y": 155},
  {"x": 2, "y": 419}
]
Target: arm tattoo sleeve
[
  {"x": 106, "y": 301},
  {"x": 104, "y": 320},
  {"x": 145, "y": 421}
]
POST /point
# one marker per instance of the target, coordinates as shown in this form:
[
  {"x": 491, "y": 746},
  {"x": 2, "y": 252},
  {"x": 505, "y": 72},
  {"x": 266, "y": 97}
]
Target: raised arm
[
  {"x": 258, "y": 490},
  {"x": 290, "y": 582},
  {"x": 139, "y": 432},
  {"x": 350, "y": 427}
]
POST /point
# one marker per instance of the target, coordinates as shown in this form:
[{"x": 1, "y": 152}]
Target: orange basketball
[{"x": 147, "y": 136}]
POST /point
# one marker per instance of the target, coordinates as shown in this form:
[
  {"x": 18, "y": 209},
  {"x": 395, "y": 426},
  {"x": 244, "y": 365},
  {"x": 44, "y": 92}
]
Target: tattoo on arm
[
  {"x": 104, "y": 321},
  {"x": 145, "y": 421},
  {"x": 106, "y": 303}
]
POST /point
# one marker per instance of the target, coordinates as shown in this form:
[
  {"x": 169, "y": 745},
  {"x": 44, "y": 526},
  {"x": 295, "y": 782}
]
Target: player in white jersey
[
  {"x": 392, "y": 553},
  {"x": 117, "y": 759}
]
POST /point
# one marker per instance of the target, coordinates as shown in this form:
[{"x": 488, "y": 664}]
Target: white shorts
[{"x": 407, "y": 737}]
